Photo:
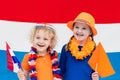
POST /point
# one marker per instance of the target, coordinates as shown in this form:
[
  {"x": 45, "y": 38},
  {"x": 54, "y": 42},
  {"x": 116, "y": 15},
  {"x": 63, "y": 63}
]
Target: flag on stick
[
  {"x": 13, "y": 64},
  {"x": 99, "y": 62}
]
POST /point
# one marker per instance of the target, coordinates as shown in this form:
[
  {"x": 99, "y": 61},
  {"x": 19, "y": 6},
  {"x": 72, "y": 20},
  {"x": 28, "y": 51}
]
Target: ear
[{"x": 91, "y": 33}]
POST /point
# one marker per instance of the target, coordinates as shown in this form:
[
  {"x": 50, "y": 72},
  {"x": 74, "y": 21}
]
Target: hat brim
[{"x": 70, "y": 26}]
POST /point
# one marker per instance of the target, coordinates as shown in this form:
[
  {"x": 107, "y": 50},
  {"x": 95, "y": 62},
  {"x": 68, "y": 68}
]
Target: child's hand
[
  {"x": 95, "y": 76},
  {"x": 21, "y": 75}
]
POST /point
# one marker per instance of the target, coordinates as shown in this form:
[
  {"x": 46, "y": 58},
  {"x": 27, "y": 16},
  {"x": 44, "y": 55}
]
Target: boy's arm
[{"x": 22, "y": 74}]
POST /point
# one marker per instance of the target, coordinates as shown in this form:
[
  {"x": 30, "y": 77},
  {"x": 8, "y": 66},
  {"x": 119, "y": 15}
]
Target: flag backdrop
[{"x": 17, "y": 17}]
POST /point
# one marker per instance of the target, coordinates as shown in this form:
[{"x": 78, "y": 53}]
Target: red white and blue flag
[
  {"x": 17, "y": 17},
  {"x": 13, "y": 64}
]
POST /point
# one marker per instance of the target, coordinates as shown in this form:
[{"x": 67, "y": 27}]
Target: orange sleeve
[{"x": 25, "y": 64}]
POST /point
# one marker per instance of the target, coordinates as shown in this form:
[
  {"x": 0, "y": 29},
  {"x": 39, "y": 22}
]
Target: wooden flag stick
[{"x": 96, "y": 67}]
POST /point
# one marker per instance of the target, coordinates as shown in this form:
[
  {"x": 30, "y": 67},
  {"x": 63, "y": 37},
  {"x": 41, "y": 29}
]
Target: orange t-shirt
[{"x": 43, "y": 66}]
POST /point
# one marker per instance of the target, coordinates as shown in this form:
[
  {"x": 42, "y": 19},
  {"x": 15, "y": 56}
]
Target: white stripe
[
  {"x": 56, "y": 69},
  {"x": 11, "y": 52},
  {"x": 57, "y": 78},
  {"x": 54, "y": 60},
  {"x": 17, "y": 35},
  {"x": 15, "y": 68}
]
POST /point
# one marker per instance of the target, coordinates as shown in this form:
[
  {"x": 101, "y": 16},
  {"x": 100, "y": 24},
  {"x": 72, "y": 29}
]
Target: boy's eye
[
  {"x": 45, "y": 39},
  {"x": 37, "y": 37}
]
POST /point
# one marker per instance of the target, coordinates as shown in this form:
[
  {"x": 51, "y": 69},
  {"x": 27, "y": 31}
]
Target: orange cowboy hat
[{"x": 84, "y": 17}]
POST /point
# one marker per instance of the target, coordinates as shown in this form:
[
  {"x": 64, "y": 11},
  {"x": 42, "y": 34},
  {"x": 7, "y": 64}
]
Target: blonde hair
[{"x": 48, "y": 29}]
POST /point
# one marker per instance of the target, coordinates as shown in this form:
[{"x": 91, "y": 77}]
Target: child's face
[
  {"x": 41, "y": 41},
  {"x": 81, "y": 31}
]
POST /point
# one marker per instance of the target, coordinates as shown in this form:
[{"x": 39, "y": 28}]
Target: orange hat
[{"x": 86, "y": 18}]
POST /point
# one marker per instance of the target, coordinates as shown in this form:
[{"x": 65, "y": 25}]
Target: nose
[
  {"x": 79, "y": 30},
  {"x": 40, "y": 40}
]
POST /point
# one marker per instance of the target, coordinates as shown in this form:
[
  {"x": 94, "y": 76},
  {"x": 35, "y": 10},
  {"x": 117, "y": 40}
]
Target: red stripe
[
  {"x": 59, "y": 11},
  {"x": 55, "y": 67},
  {"x": 58, "y": 76},
  {"x": 33, "y": 56},
  {"x": 53, "y": 57},
  {"x": 9, "y": 58},
  {"x": 32, "y": 66}
]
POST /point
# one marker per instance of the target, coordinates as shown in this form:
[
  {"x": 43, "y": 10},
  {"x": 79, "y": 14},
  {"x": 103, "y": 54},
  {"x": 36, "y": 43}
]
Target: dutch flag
[{"x": 13, "y": 64}]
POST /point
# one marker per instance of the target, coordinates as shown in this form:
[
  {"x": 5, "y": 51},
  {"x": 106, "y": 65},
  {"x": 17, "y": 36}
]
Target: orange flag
[{"x": 99, "y": 62}]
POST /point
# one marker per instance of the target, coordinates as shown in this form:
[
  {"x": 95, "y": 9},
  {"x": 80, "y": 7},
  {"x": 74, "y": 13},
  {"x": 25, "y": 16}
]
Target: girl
[
  {"x": 76, "y": 53},
  {"x": 42, "y": 61}
]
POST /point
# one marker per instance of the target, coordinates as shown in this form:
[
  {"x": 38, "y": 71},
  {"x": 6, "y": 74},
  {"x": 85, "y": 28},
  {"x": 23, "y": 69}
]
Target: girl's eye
[
  {"x": 76, "y": 27},
  {"x": 83, "y": 28}
]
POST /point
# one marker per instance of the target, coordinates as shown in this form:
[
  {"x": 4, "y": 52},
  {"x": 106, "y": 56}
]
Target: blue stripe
[
  {"x": 16, "y": 61},
  {"x": 8, "y": 75}
]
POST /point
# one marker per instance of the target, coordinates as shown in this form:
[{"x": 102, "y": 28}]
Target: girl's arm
[
  {"x": 95, "y": 76},
  {"x": 63, "y": 60}
]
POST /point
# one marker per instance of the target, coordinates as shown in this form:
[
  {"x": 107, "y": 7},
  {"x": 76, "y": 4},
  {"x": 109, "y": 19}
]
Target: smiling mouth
[
  {"x": 40, "y": 45},
  {"x": 79, "y": 34}
]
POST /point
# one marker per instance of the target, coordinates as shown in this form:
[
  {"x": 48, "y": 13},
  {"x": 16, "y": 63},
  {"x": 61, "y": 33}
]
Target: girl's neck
[{"x": 82, "y": 42}]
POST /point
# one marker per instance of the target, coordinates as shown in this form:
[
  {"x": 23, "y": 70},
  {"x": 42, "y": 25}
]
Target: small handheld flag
[
  {"x": 13, "y": 64},
  {"x": 100, "y": 62}
]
